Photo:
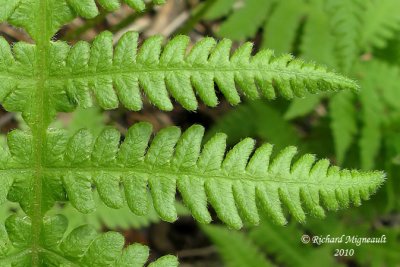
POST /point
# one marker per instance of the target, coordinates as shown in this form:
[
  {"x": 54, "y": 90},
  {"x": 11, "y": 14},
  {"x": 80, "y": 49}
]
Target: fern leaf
[
  {"x": 381, "y": 24},
  {"x": 8, "y": 8},
  {"x": 88, "y": 8},
  {"x": 280, "y": 36},
  {"x": 234, "y": 248},
  {"x": 344, "y": 122},
  {"x": 104, "y": 216},
  {"x": 255, "y": 11},
  {"x": 169, "y": 71},
  {"x": 302, "y": 106},
  {"x": 371, "y": 132},
  {"x": 283, "y": 245},
  {"x": 389, "y": 87},
  {"x": 32, "y": 14},
  {"x": 317, "y": 43},
  {"x": 219, "y": 9},
  {"x": 18, "y": 62},
  {"x": 372, "y": 100},
  {"x": 83, "y": 246},
  {"x": 346, "y": 18},
  {"x": 18, "y": 156},
  {"x": 41, "y": 19},
  {"x": 231, "y": 183},
  {"x": 119, "y": 76}
]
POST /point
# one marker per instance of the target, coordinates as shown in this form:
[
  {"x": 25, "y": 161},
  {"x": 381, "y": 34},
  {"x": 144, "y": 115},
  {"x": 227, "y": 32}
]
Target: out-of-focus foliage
[{"x": 343, "y": 35}]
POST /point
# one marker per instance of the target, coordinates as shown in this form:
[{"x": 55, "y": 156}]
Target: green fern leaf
[
  {"x": 346, "y": 18},
  {"x": 381, "y": 24},
  {"x": 378, "y": 101},
  {"x": 83, "y": 246},
  {"x": 234, "y": 248},
  {"x": 280, "y": 36},
  {"x": 73, "y": 72},
  {"x": 232, "y": 184},
  {"x": 219, "y": 9},
  {"x": 302, "y": 106},
  {"x": 27, "y": 13},
  {"x": 283, "y": 244},
  {"x": 55, "y": 13},
  {"x": 170, "y": 71},
  {"x": 344, "y": 122},
  {"x": 371, "y": 133},
  {"x": 104, "y": 216},
  {"x": 88, "y": 8},
  {"x": 317, "y": 42},
  {"x": 255, "y": 11},
  {"x": 373, "y": 114}
]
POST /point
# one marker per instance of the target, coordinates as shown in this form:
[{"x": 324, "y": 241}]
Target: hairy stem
[{"x": 38, "y": 127}]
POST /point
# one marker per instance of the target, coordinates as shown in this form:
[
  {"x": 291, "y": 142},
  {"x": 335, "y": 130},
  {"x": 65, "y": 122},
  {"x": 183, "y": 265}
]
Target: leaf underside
[
  {"x": 238, "y": 185},
  {"x": 31, "y": 15},
  {"x": 121, "y": 75},
  {"x": 83, "y": 246}
]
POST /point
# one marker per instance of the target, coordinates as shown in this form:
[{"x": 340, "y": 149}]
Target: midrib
[{"x": 39, "y": 127}]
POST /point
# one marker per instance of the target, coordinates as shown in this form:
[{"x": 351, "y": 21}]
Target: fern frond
[
  {"x": 388, "y": 88},
  {"x": 83, "y": 246},
  {"x": 282, "y": 243},
  {"x": 31, "y": 14},
  {"x": 169, "y": 71},
  {"x": 40, "y": 19},
  {"x": 376, "y": 104},
  {"x": 88, "y": 8},
  {"x": 118, "y": 76},
  {"x": 104, "y": 216},
  {"x": 317, "y": 42},
  {"x": 371, "y": 132},
  {"x": 17, "y": 171},
  {"x": 255, "y": 11},
  {"x": 121, "y": 218},
  {"x": 232, "y": 184},
  {"x": 235, "y": 249},
  {"x": 346, "y": 18},
  {"x": 302, "y": 106},
  {"x": 281, "y": 36},
  {"x": 378, "y": 101},
  {"x": 219, "y": 9},
  {"x": 382, "y": 22},
  {"x": 343, "y": 122},
  {"x": 16, "y": 91}
]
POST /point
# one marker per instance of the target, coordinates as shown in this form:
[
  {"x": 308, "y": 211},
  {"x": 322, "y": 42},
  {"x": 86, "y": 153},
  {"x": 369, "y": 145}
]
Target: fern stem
[{"x": 38, "y": 127}]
